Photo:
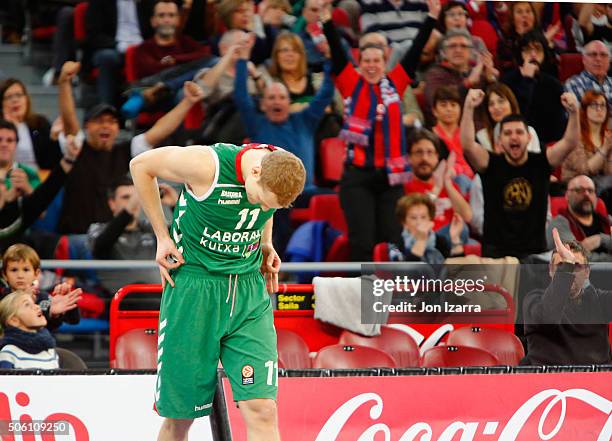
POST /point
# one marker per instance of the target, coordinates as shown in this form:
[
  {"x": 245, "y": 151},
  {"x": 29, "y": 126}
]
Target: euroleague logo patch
[{"x": 248, "y": 374}]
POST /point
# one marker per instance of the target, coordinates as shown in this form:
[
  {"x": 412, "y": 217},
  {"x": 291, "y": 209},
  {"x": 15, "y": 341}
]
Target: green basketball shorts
[{"x": 206, "y": 318}]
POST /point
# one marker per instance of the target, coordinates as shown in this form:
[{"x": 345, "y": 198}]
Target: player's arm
[
  {"x": 270, "y": 265},
  {"x": 193, "y": 166}
]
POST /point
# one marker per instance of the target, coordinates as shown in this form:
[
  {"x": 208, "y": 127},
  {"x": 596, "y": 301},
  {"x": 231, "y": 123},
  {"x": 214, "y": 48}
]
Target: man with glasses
[
  {"x": 455, "y": 69},
  {"x": 596, "y": 60},
  {"x": 567, "y": 323},
  {"x": 581, "y": 222}
]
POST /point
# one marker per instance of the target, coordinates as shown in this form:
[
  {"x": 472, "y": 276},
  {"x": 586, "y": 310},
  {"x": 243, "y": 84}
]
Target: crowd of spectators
[{"x": 457, "y": 122}]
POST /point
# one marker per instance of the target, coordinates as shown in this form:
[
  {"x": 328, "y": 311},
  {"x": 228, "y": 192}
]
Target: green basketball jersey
[{"x": 220, "y": 230}]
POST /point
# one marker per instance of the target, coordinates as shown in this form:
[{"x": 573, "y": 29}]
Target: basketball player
[{"x": 215, "y": 261}]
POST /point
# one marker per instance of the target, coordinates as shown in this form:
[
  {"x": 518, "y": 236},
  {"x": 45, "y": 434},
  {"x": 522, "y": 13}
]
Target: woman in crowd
[
  {"x": 454, "y": 15},
  {"x": 498, "y": 103},
  {"x": 37, "y": 147},
  {"x": 523, "y": 19},
  {"x": 593, "y": 157},
  {"x": 375, "y": 166}
]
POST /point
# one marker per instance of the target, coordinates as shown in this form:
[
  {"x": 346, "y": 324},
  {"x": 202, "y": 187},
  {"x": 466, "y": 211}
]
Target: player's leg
[
  {"x": 174, "y": 430},
  {"x": 250, "y": 359},
  {"x": 188, "y": 351},
  {"x": 261, "y": 419}
]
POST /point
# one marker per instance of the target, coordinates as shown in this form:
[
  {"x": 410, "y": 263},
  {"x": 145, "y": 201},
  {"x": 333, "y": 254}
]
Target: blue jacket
[{"x": 296, "y": 134}]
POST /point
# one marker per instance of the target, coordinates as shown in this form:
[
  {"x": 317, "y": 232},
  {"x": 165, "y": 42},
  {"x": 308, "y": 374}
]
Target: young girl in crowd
[{"x": 26, "y": 343}]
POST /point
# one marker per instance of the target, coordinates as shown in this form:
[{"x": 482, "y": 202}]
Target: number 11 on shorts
[{"x": 272, "y": 372}]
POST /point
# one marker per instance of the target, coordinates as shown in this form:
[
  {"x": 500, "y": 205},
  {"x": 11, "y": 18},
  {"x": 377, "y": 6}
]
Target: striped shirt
[
  {"x": 399, "y": 23},
  {"x": 12, "y": 357},
  {"x": 579, "y": 84}
]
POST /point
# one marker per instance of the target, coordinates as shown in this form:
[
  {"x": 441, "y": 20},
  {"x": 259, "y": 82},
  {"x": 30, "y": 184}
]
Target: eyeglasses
[
  {"x": 458, "y": 46},
  {"x": 582, "y": 190},
  {"x": 597, "y": 54},
  {"x": 597, "y": 106},
  {"x": 456, "y": 14},
  {"x": 16, "y": 96}
]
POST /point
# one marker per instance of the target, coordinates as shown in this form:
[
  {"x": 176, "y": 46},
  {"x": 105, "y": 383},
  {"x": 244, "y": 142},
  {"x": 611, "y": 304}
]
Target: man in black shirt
[
  {"x": 567, "y": 323},
  {"x": 103, "y": 161},
  {"x": 579, "y": 221},
  {"x": 515, "y": 183}
]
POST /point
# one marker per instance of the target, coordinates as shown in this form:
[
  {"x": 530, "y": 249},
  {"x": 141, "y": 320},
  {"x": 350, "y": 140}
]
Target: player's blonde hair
[{"x": 284, "y": 175}]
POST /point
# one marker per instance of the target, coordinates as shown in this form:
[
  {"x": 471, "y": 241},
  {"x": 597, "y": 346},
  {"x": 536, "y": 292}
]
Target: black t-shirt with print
[{"x": 515, "y": 205}]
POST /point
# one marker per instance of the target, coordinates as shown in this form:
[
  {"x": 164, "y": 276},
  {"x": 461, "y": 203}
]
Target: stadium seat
[
  {"x": 472, "y": 248},
  {"x": 486, "y": 31},
  {"x": 80, "y": 32},
  {"x": 293, "y": 350},
  {"x": 505, "y": 346},
  {"x": 341, "y": 18},
  {"x": 559, "y": 202},
  {"x": 569, "y": 65},
  {"x": 327, "y": 207},
  {"x": 352, "y": 357},
  {"x": 340, "y": 251},
  {"x": 70, "y": 360},
  {"x": 456, "y": 356},
  {"x": 144, "y": 118},
  {"x": 136, "y": 349},
  {"x": 381, "y": 252},
  {"x": 332, "y": 153},
  {"x": 394, "y": 342}
]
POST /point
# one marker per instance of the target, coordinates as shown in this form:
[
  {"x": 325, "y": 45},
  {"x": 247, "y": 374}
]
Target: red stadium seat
[
  {"x": 327, "y": 207},
  {"x": 79, "y": 22},
  {"x": 569, "y": 65},
  {"x": 486, "y": 31},
  {"x": 472, "y": 248},
  {"x": 292, "y": 349},
  {"x": 341, "y": 18},
  {"x": 137, "y": 349},
  {"x": 456, "y": 356},
  {"x": 332, "y": 154},
  {"x": 352, "y": 357},
  {"x": 381, "y": 252},
  {"x": 559, "y": 202},
  {"x": 394, "y": 342},
  {"x": 339, "y": 251},
  {"x": 144, "y": 119},
  {"x": 505, "y": 346}
]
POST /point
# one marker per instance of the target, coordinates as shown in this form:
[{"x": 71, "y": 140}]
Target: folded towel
[{"x": 348, "y": 303}]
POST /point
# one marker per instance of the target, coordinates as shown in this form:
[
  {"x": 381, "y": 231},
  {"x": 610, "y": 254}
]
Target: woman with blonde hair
[
  {"x": 593, "y": 157},
  {"x": 26, "y": 343}
]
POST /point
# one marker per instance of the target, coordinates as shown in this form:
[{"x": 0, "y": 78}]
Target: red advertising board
[{"x": 520, "y": 407}]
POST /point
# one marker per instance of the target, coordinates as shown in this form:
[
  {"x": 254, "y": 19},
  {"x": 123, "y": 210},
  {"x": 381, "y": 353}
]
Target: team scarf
[{"x": 361, "y": 133}]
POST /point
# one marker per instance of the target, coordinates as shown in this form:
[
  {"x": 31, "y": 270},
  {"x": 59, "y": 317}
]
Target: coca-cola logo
[
  {"x": 470, "y": 431},
  {"x": 22, "y": 399}
]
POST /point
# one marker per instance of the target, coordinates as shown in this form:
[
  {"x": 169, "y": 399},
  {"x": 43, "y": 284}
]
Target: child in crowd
[
  {"x": 21, "y": 268},
  {"x": 446, "y": 108},
  {"x": 26, "y": 343},
  {"x": 416, "y": 212}
]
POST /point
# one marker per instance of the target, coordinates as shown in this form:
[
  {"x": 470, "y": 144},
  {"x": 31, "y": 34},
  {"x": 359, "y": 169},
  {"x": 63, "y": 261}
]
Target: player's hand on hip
[
  {"x": 168, "y": 257},
  {"x": 270, "y": 267}
]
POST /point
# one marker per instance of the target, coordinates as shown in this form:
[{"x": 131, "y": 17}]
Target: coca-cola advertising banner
[
  {"x": 96, "y": 407},
  {"x": 521, "y": 407}
]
